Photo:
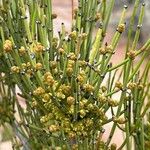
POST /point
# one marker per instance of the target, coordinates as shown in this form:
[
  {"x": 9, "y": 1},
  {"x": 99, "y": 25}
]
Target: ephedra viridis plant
[{"x": 67, "y": 79}]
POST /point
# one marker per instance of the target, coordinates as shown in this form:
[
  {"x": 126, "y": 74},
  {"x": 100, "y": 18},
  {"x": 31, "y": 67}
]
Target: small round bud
[
  {"x": 113, "y": 103},
  {"x": 54, "y": 16},
  {"x": 60, "y": 95},
  {"x": 55, "y": 71},
  {"x": 69, "y": 71},
  {"x": 104, "y": 89},
  {"x": 121, "y": 28},
  {"x": 70, "y": 100},
  {"x": 80, "y": 79},
  {"x": 88, "y": 88},
  {"x": 7, "y": 46},
  {"x": 34, "y": 104},
  {"x": 131, "y": 54},
  {"x": 61, "y": 51},
  {"x": 90, "y": 107},
  {"x": 23, "y": 65},
  {"x": 119, "y": 85},
  {"x": 132, "y": 85},
  {"x": 46, "y": 98},
  {"x": 113, "y": 146},
  {"x": 15, "y": 69},
  {"x": 102, "y": 51},
  {"x": 28, "y": 64},
  {"x": 48, "y": 79},
  {"x": 43, "y": 119},
  {"x": 71, "y": 63},
  {"x": 102, "y": 99},
  {"x": 39, "y": 91},
  {"x": 53, "y": 128},
  {"x": 98, "y": 16},
  {"x": 89, "y": 122},
  {"x": 140, "y": 86},
  {"x": 29, "y": 72},
  {"x": 66, "y": 89},
  {"x": 82, "y": 63},
  {"x": 53, "y": 64},
  {"x": 38, "y": 66},
  {"x": 72, "y": 56},
  {"x": 120, "y": 120},
  {"x": 109, "y": 49},
  {"x": 58, "y": 148},
  {"x": 22, "y": 50},
  {"x": 38, "y": 48},
  {"x": 73, "y": 35},
  {"x": 71, "y": 135},
  {"x": 54, "y": 42},
  {"x": 84, "y": 36},
  {"x": 82, "y": 113},
  {"x": 74, "y": 147}
]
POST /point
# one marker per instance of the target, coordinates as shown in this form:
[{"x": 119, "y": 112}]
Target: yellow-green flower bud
[
  {"x": 72, "y": 56},
  {"x": 53, "y": 128},
  {"x": 132, "y": 85},
  {"x": 39, "y": 91},
  {"x": 34, "y": 104},
  {"x": 131, "y": 54},
  {"x": 22, "y": 50},
  {"x": 121, "y": 28},
  {"x": 69, "y": 72},
  {"x": 109, "y": 49},
  {"x": 80, "y": 79},
  {"x": 119, "y": 85},
  {"x": 60, "y": 95},
  {"x": 54, "y": 16},
  {"x": 70, "y": 100},
  {"x": 61, "y": 51},
  {"x": 24, "y": 65},
  {"x": 7, "y": 46},
  {"x": 102, "y": 99},
  {"x": 38, "y": 48},
  {"x": 15, "y": 69},
  {"x": 98, "y": 16},
  {"x": 71, "y": 135},
  {"x": 120, "y": 120},
  {"x": 140, "y": 86},
  {"x": 88, "y": 88},
  {"x": 82, "y": 113},
  {"x": 66, "y": 89},
  {"x": 38, "y": 66},
  {"x": 73, "y": 35},
  {"x": 104, "y": 89},
  {"x": 43, "y": 119},
  {"x": 53, "y": 64},
  {"x": 46, "y": 98},
  {"x": 74, "y": 147},
  {"x": 29, "y": 72},
  {"x": 84, "y": 36},
  {"x": 48, "y": 79},
  {"x": 113, "y": 146},
  {"x": 90, "y": 107},
  {"x": 102, "y": 51},
  {"x": 113, "y": 103}
]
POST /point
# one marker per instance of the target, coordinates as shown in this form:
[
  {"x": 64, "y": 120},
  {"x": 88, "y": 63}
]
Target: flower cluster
[{"x": 68, "y": 81}]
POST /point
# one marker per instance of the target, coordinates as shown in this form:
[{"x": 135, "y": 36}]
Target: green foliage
[{"x": 68, "y": 81}]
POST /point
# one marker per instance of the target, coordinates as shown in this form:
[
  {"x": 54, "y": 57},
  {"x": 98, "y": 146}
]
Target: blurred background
[{"x": 63, "y": 9}]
